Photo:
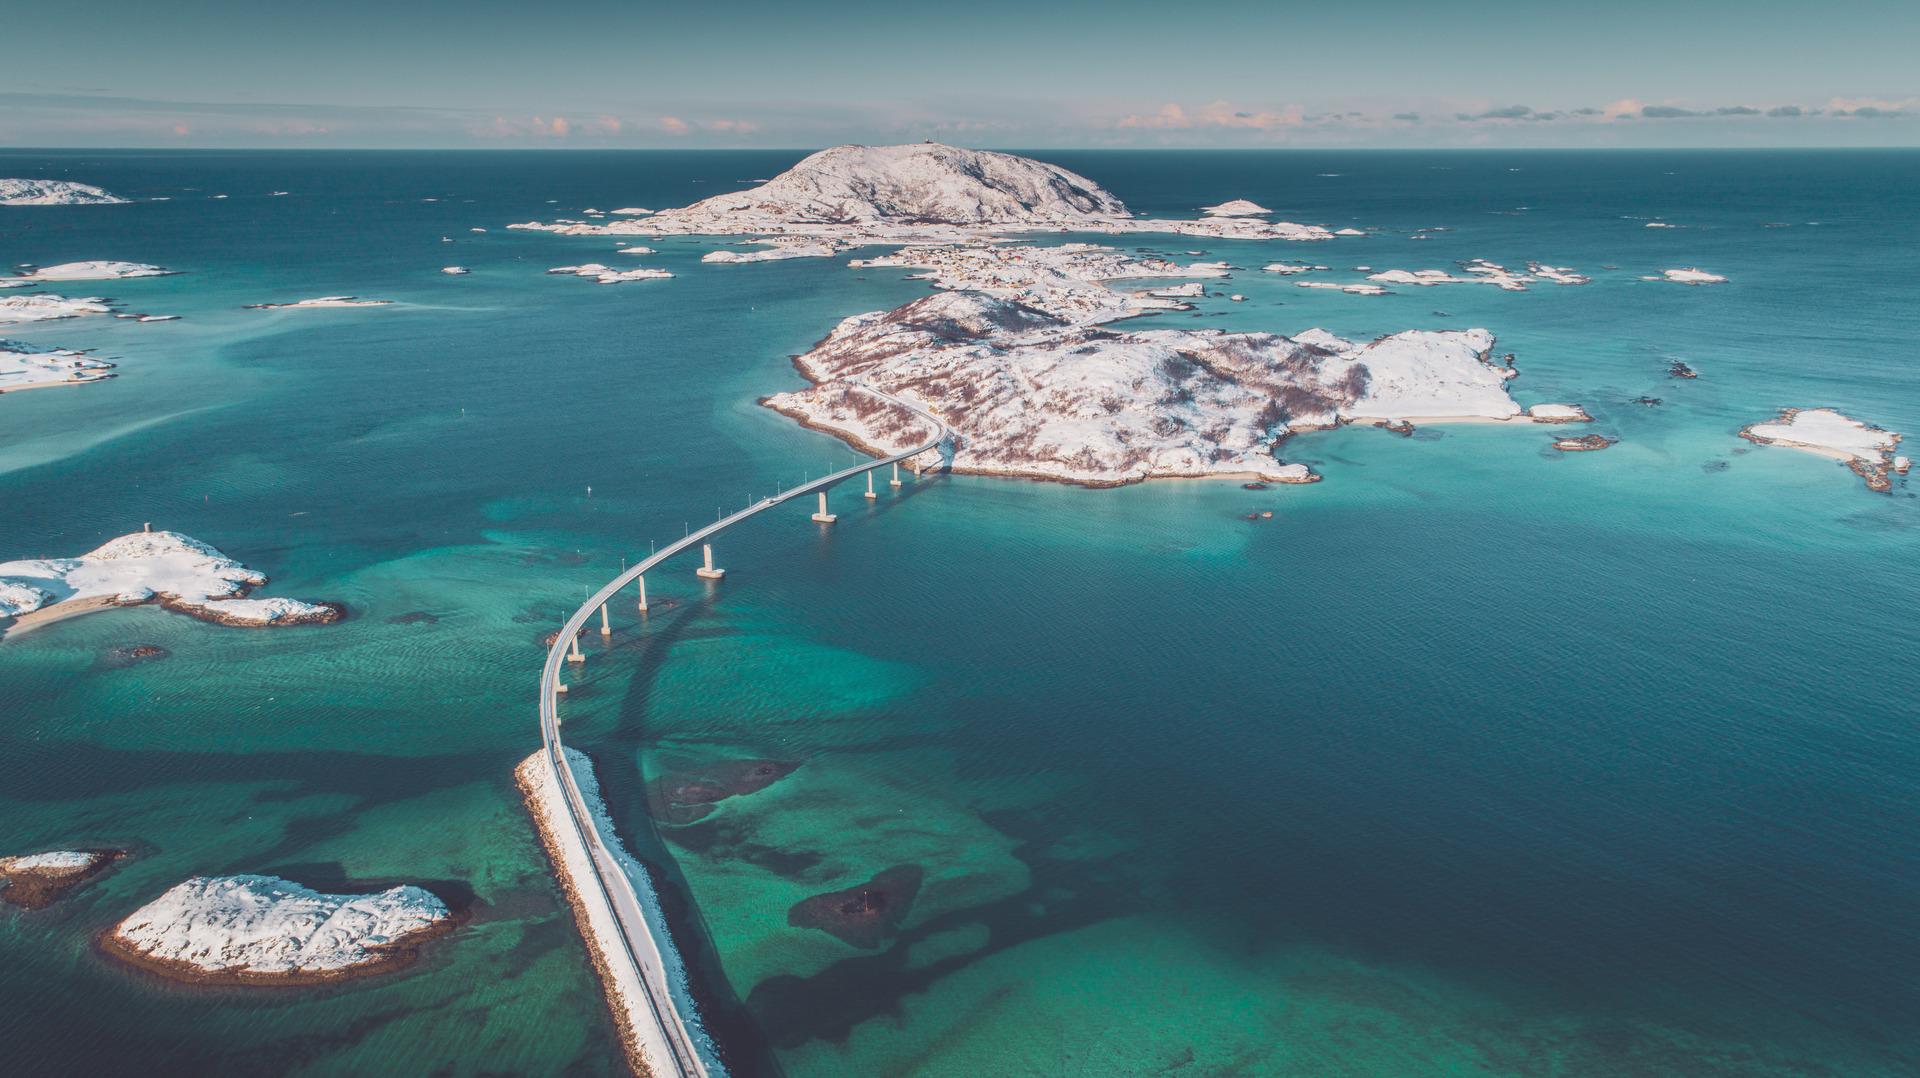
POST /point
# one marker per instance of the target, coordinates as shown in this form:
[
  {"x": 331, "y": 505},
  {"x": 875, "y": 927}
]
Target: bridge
[{"x": 668, "y": 1040}]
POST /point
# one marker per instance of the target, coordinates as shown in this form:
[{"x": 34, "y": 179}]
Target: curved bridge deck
[{"x": 637, "y": 946}]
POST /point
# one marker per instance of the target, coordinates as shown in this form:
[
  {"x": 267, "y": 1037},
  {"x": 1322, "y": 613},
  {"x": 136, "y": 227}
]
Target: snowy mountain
[{"x": 922, "y": 183}]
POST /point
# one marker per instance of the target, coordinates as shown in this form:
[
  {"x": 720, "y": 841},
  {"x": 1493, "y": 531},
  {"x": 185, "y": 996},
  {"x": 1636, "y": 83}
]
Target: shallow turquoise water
[{"x": 1477, "y": 758}]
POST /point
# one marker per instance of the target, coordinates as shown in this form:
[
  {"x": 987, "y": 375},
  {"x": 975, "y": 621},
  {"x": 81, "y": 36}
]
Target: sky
[{"x": 609, "y": 74}]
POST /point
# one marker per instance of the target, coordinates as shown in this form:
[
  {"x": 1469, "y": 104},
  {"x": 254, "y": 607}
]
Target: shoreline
[
  {"x": 22, "y": 388},
  {"x": 21, "y": 624},
  {"x": 1829, "y": 452},
  {"x": 60, "y": 611}
]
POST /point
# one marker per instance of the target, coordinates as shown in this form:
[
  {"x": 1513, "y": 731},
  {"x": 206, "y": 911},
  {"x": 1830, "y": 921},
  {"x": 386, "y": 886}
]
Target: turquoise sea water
[{"x": 1477, "y": 758}]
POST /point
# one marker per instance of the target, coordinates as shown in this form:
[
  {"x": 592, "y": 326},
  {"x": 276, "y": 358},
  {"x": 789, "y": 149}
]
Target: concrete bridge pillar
[
  {"x": 824, "y": 517},
  {"x": 643, "y": 593},
  {"x": 574, "y": 655},
  {"x": 606, "y": 628},
  {"x": 895, "y": 481},
  {"x": 870, "y": 494},
  {"x": 707, "y": 571}
]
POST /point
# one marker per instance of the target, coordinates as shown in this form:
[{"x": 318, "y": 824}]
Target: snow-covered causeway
[
  {"x": 179, "y": 572},
  {"x": 264, "y": 929}
]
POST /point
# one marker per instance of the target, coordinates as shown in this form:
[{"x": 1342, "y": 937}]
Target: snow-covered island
[
  {"x": 1481, "y": 271},
  {"x": 1238, "y": 207},
  {"x": 19, "y": 192},
  {"x": 45, "y": 307},
  {"x": 1869, "y": 451},
  {"x": 178, "y": 572},
  {"x": 1029, "y": 393},
  {"x": 608, "y": 275},
  {"x": 94, "y": 271},
  {"x": 920, "y": 193},
  {"x": 37, "y": 880},
  {"x": 267, "y": 930},
  {"x": 776, "y": 249},
  {"x": 1689, "y": 275},
  {"x": 322, "y": 301},
  {"x": 24, "y": 367}
]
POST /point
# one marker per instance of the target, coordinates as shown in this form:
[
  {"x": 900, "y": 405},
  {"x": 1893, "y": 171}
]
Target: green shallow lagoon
[{"x": 1477, "y": 758}]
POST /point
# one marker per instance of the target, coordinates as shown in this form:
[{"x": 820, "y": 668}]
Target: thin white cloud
[{"x": 1219, "y": 114}]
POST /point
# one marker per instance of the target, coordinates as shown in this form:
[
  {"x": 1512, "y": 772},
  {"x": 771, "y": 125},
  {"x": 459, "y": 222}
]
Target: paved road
[{"x": 638, "y": 948}]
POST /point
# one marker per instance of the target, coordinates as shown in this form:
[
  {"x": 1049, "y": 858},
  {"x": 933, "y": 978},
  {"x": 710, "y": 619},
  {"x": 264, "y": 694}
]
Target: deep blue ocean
[{"x": 1476, "y": 759}]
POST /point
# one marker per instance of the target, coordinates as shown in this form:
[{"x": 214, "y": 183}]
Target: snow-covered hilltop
[
  {"x": 266, "y": 930},
  {"x": 24, "y": 367},
  {"x": 179, "y": 572},
  {"x": 1028, "y": 393},
  {"x": 919, "y": 193},
  {"x": 1867, "y": 450},
  {"x": 18, "y": 192},
  {"x": 921, "y": 183}
]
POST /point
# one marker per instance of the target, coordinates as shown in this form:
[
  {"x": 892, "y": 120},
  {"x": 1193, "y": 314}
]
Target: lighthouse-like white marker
[
  {"x": 824, "y": 517},
  {"x": 707, "y": 571}
]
